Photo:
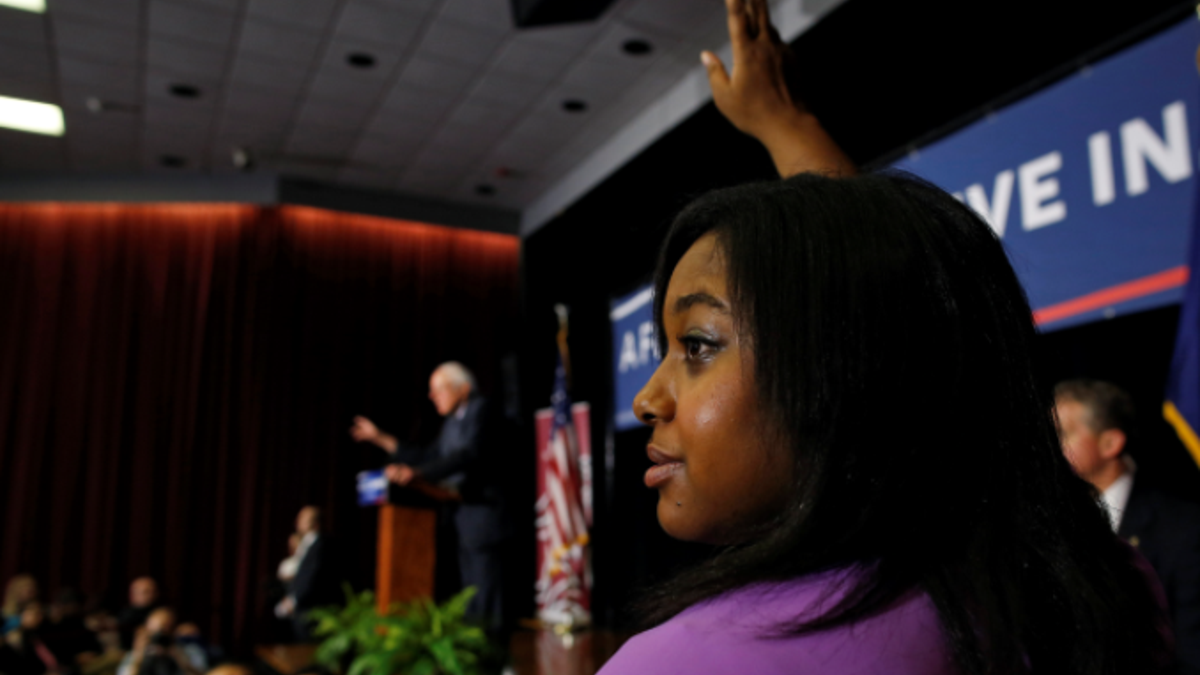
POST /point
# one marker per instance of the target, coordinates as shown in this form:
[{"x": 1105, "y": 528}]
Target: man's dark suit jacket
[
  {"x": 1166, "y": 530},
  {"x": 466, "y": 455},
  {"x": 316, "y": 581}
]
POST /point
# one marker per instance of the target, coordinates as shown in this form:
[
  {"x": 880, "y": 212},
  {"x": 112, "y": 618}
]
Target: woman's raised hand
[{"x": 755, "y": 97}]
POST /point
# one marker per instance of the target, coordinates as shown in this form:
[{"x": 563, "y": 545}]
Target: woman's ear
[{"x": 1112, "y": 443}]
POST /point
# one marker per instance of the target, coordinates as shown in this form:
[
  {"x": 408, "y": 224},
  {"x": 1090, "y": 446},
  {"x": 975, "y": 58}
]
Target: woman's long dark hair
[{"x": 892, "y": 345}]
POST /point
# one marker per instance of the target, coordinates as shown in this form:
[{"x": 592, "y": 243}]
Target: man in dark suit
[
  {"x": 316, "y": 580},
  {"x": 462, "y": 458},
  {"x": 1096, "y": 421}
]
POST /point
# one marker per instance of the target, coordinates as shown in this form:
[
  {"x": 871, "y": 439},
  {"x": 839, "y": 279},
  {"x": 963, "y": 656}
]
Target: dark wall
[{"x": 880, "y": 75}]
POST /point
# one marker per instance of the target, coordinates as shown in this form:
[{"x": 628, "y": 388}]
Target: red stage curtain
[{"x": 176, "y": 381}]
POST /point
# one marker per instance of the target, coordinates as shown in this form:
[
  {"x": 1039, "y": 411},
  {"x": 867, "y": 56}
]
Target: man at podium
[{"x": 460, "y": 458}]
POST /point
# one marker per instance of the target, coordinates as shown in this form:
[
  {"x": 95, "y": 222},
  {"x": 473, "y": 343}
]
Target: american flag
[{"x": 564, "y": 509}]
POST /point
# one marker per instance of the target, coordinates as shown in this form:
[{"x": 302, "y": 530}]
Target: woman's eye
[{"x": 696, "y": 348}]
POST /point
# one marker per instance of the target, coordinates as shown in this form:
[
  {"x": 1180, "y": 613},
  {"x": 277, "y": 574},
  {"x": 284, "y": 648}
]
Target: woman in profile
[{"x": 846, "y": 403}]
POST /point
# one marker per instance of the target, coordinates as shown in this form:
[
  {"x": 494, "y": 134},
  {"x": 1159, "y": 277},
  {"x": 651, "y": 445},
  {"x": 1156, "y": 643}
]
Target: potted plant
[{"x": 417, "y": 638}]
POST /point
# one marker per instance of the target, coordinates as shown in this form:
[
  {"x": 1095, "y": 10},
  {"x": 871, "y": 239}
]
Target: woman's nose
[{"x": 654, "y": 403}]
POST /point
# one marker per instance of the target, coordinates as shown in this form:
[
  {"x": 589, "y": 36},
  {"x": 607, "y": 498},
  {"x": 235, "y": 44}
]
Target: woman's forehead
[{"x": 701, "y": 270}]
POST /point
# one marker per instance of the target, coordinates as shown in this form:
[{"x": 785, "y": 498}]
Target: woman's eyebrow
[{"x": 685, "y": 302}]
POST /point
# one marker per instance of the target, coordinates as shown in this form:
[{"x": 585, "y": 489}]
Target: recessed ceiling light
[
  {"x": 574, "y": 105},
  {"x": 31, "y": 116},
  {"x": 485, "y": 190},
  {"x": 636, "y": 47},
  {"x": 27, "y": 5},
  {"x": 360, "y": 60},
  {"x": 172, "y": 161},
  {"x": 184, "y": 91}
]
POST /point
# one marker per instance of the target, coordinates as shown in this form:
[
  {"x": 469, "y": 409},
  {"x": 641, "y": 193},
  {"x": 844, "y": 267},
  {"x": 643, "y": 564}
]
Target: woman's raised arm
[{"x": 755, "y": 96}]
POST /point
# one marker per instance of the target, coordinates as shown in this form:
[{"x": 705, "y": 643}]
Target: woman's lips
[{"x": 665, "y": 466}]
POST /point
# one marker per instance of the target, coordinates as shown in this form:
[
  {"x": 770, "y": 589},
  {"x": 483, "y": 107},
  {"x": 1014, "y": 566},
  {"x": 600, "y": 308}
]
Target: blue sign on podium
[{"x": 372, "y": 488}]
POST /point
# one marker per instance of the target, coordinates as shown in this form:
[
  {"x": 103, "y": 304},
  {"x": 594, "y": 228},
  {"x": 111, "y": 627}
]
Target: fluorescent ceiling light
[
  {"x": 31, "y": 116},
  {"x": 27, "y": 5}
]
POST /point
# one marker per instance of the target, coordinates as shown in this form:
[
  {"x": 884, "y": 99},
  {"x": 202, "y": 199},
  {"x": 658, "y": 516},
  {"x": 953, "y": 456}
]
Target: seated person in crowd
[
  {"x": 143, "y": 599},
  {"x": 21, "y": 589},
  {"x": 25, "y": 651},
  {"x": 847, "y": 405},
  {"x": 1097, "y": 424},
  {"x": 68, "y": 636},
  {"x": 156, "y": 651}
]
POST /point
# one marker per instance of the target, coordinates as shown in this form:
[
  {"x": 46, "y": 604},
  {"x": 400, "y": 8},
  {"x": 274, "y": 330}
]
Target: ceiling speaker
[{"x": 530, "y": 13}]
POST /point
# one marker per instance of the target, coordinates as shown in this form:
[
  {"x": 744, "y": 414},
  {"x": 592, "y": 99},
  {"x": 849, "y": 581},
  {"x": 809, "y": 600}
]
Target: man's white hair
[{"x": 457, "y": 374}]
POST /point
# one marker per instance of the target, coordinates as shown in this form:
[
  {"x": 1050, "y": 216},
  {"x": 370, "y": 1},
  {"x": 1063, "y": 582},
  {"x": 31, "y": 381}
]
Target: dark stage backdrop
[{"x": 176, "y": 381}]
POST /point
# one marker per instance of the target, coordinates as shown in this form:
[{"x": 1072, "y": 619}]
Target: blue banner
[
  {"x": 1088, "y": 182},
  {"x": 372, "y": 488},
  {"x": 635, "y": 352}
]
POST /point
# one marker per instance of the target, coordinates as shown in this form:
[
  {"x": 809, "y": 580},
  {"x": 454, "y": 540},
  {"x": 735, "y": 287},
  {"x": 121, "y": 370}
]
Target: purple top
[{"x": 730, "y": 635}]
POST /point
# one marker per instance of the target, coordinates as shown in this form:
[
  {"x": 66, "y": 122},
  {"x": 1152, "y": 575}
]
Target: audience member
[
  {"x": 20, "y": 590},
  {"x": 156, "y": 652},
  {"x": 143, "y": 599},
  {"x": 25, "y": 651},
  {"x": 291, "y": 564},
  {"x": 317, "y": 576},
  {"x": 68, "y": 636},
  {"x": 463, "y": 458},
  {"x": 1098, "y": 424},
  {"x": 846, "y": 404}
]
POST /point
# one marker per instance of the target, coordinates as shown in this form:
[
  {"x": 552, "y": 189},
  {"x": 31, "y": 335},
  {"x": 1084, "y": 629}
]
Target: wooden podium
[{"x": 407, "y": 554}]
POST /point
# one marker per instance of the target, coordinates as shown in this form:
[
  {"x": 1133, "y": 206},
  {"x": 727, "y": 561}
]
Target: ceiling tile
[
  {"x": 437, "y": 75},
  {"x": 313, "y": 14},
  {"x": 320, "y": 142},
  {"x": 333, "y": 113},
  {"x": 571, "y": 38},
  {"x": 88, "y": 73},
  {"x": 416, "y": 102},
  {"x": 262, "y": 137},
  {"x": 387, "y": 56},
  {"x": 120, "y": 13},
  {"x": 180, "y": 118},
  {"x": 251, "y": 105},
  {"x": 158, "y": 141},
  {"x": 27, "y": 62},
  {"x": 406, "y": 131},
  {"x": 609, "y": 44},
  {"x": 73, "y": 96},
  {"x": 494, "y": 118},
  {"x": 507, "y": 90},
  {"x": 207, "y": 63},
  {"x": 116, "y": 46},
  {"x": 278, "y": 43},
  {"x": 195, "y": 23},
  {"x": 159, "y": 83},
  {"x": 379, "y": 23},
  {"x": 486, "y": 13},
  {"x": 596, "y": 81},
  {"x": 675, "y": 17},
  {"x": 385, "y": 151},
  {"x": 30, "y": 89},
  {"x": 336, "y": 86},
  {"x": 286, "y": 77},
  {"x": 24, "y": 27},
  {"x": 534, "y": 61},
  {"x": 461, "y": 43}
]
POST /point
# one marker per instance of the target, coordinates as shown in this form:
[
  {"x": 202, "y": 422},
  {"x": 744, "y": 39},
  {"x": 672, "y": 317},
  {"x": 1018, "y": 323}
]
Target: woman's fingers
[
  {"x": 762, "y": 17},
  {"x": 736, "y": 16},
  {"x": 718, "y": 79}
]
